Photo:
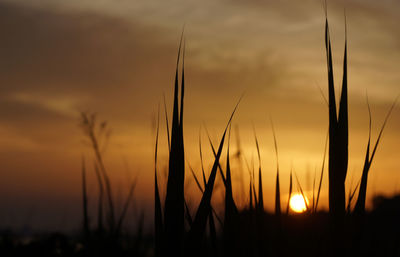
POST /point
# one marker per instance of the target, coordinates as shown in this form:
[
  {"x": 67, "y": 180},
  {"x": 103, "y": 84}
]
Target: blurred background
[{"x": 117, "y": 58}]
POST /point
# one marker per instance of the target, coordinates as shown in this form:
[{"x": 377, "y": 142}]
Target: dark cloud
[
  {"x": 63, "y": 52},
  {"x": 112, "y": 65}
]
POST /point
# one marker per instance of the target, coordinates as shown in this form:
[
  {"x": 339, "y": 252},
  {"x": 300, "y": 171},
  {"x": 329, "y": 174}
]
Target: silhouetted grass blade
[
  {"x": 302, "y": 192},
  {"x": 260, "y": 205},
  {"x": 322, "y": 173},
  {"x": 199, "y": 224},
  {"x": 86, "y": 229},
  {"x": 125, "y": 208},
  {"x": 158, "y": 222},
  {"x": 188, "y": 215},
  {"x": 338, "y": 135},
  {"x": 215, "y": 154},
  {"x": 277, "y": 187},
  {"x": 174, "y": 201},
  {"x": 100, "y": 201},
  {"x": 360, "y": 204},
  {"x": 230, "y": 206},
  {"x": 167, "y": 124},
  {"x": 290, "y": 191}
]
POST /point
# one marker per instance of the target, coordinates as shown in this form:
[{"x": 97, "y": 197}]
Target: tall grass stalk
[
  {"x": 338, "y": 134},
  {"x": 174, "y": 201},
  {"x": 88, "y": 123}
]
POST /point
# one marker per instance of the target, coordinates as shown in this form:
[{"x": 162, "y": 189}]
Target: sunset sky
[{"x": 117, "y": 58}]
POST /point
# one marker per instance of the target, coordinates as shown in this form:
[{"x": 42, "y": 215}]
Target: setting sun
[{"x": 298, "y": 204}]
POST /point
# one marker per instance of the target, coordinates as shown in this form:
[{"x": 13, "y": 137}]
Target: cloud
[
  {"x": 66, "y": 61},
  {"x": 62, "y": 52}
]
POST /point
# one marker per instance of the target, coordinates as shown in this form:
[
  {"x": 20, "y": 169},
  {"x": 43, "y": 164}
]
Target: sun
[{"x": 298, "y": 203}]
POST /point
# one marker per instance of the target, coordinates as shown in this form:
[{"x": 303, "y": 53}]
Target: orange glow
[{"x": 298, "y": 203}]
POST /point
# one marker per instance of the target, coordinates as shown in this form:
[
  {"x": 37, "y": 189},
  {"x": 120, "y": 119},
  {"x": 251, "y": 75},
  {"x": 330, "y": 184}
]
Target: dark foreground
[{"x": 377, "y": 233}]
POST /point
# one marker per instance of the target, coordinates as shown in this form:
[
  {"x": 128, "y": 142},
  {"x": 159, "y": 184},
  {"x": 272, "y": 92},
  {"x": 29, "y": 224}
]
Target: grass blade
[
  {"x": 251, "y": 177},
  {"x": 198, "y": 227},
  {"x": 174, "y": 201},
  {"x": 213, "y": 232},
  {"x": 360, "y": 204},
  {"x": 215, "y": 154},
  {"x": 100, "y": 227},
  {"x": 86, "y": 230},
  {"x": 200, "y": 220},
  {"x": 322, "y": 173},
  {"x": 313, "y": 190},
  {"x": 125, "y": 209},
  {"x": 253, "y": 185},
  {"x": 195, "y": 178},
  {"x": 260, "y": 186},
  {"x": 290, "y": 191},
  {"x": 301, "y": 191},
  {"x": 351, "y": 196},
  {"x": 158, "y": 222},
  {"x": 88, "y": 124},
  {"x": 338, "y": 134},
  {"x": 230, "y": 206},
  {"x": 188, "y": 215},
  {"x": 277, "y": 188},
  {"x": 202, "y": 191},
  {"x": 167, "y": 124},
  {"x": 201, "y": 160},
  {"x": 342, "y": 152}
]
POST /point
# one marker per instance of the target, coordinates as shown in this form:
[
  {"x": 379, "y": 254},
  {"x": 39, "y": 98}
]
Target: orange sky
[{"x": 117, "y": 58}]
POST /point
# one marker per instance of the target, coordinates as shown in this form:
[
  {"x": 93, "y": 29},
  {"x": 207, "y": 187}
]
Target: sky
[{"x": 116, "y": 58}]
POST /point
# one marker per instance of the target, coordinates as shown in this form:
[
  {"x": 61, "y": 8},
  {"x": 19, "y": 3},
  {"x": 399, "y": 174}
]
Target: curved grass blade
[
  {"x": 158, "y": 222},
  {"x": 351, "y": 196},
  {"x": 215, "y": 154},
  {"x": 202, "y": 191},
  {"x": 199, "y": 224},
  {"x": 301, "y": 191},
  {"x": 201, "y": 160},
  {"x": 125, "y": 209},
  {"x": 195, "y": 178},
  {"x": 322, "y": 173},
  {"x": 360, "y": 204},
  {"x": 167, "y": 123}
]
